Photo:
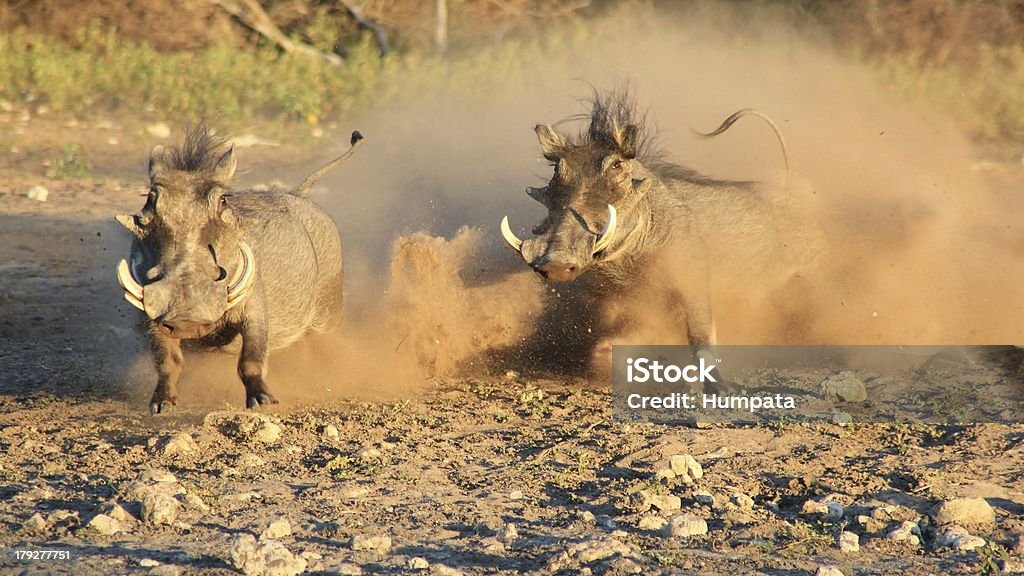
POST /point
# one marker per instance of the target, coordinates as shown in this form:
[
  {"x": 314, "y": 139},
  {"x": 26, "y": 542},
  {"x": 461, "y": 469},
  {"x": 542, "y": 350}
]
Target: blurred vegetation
[{"x": 965, "y": 58}]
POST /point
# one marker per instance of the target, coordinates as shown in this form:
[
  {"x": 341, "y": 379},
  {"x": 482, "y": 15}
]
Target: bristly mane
[
  {"x": 199, "y": 152},
  {"x": 611, "y": 112}
]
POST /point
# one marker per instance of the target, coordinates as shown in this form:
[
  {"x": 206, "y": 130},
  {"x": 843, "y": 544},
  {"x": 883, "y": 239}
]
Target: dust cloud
[{"x": 906, "y": 245}]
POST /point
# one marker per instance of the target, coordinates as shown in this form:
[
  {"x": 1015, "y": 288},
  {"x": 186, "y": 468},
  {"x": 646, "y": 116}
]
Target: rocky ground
[{"x": 484, "y": 474}]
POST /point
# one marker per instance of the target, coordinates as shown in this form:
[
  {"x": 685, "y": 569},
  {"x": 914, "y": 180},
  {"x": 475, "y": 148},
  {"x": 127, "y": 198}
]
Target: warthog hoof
[
  {"x": 161, "y": 407},
  {"x": 261, "y": 398}
]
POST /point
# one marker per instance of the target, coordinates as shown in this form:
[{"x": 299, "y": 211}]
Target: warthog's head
[
  {"x": 189, "y": 264},
  {"x": 592, "y": 199}
]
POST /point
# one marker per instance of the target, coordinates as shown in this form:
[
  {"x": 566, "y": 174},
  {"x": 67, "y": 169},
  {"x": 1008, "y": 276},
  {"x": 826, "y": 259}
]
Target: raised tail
[
  {"x": 303, "y": 190},
  {"x": 728, "y": 122}
]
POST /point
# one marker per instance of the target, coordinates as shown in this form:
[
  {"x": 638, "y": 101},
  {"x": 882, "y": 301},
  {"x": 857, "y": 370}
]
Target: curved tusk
[
  {"x": 512, "y": 239},
  {"x": 605, "y": 239},
  {"x": 132, "y": 289},
  {"x": 244, "y": 277}
]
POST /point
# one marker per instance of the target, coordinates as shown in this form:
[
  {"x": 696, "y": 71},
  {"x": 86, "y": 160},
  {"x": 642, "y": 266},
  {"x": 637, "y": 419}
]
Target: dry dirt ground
[{"x": 484, "y": 474}]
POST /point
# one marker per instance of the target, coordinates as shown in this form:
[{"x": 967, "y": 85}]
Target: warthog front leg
[
  {"x": 252, "y": 363},
  {"x": 169, "y": 363}
]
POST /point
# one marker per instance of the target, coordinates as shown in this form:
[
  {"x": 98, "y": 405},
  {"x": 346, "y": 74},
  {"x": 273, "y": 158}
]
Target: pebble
[
  {"x": 663, "y": 502},
  {"x": 378, "y": 543},
  {"x": 515, "y": 495},
  {"x": 330, "y": 433},
  {"x": 244, "y": 426},
  {"x": 908, "y": 531},
  {"x": 269, "y": 558},
  {"x": 704, "y": 497},
  {"x": 165, "y": 570},
  {"x": 834, "y": 511},
  {"x": 148, "y": 563},
  {"x": 965, "y": 512},
  {"x": 958, "y": 538},
  {"x": 105, "y": 525},
  {"x": 418, "y": 563},
  {"x": 597, "y": 548},
  {"x": 368, "y": 453},
  {"x": 508, "y": 533},
  {"x": 36, "y": 523},
  {"x": 742, "y": 501},
  {"x": 181, "y": 444},
  {"x": 115, "y": 511},
  {"x": 193, "y": 502},
  {"x": 686, "y": 525},
  {"x": 605, "y": 521},
  {"x": 249, "y": 460},
  {"x": 277, "y": 529},
  {"x": 812, "y": 507},
  {"x": 37, "y": 192},
  {"x": 848, "y": 542},
  {"x": 686, "y": 468},
  {"x": 443, "y": 570},
  {"x": 845, "y": 386},
  {"x": 159, "y": 508},
  {"x": 492, "y": 546},
  {"x": 158, "y": 130},
  {"x": 842, "y": 418},
  {"x": 652, "y": 522},
  {"x": 828, "y": 571}
]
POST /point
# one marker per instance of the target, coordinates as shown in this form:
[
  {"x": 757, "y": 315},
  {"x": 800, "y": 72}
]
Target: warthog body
[
  {"x": 635, "y": 224},
  {"x": 209, "y": 264}
]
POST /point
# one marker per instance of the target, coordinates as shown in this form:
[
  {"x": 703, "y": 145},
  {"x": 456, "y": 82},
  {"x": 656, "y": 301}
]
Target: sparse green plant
[{"x": 990, "y": 557}]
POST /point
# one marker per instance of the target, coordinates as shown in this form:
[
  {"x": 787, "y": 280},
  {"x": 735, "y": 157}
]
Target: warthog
[
  {"x": 209, "y": 264},
  {"x": 636, "y": 224}
]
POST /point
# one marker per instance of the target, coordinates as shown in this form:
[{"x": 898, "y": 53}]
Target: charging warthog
[
  {"x": 634, "y": 223},
  {"x": 209, "y": 264}
]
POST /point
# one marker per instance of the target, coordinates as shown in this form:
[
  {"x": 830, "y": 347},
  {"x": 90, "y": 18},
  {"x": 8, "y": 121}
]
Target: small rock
[
  {"x": 508, "y": 533},
  {"x": 148, "y": 563},
  {"x": 686, "y": 525},
  {"x": 277, "y": 529},
  {"x": 834, "y": 511},
  {"x": 193, "y": 502},
  {"x": 158, "y": 508},
  {"x": 704, "y": 497},
  {"x": 906, "y": 531},
  {"x": 115, "y": 511},
  {"x": 377, "y": 543},
  {"x": 36, "y": 523},
  {"x": 958, "y": 538},
  {"x": 165, "y": 570},
  {"x": 743, "y": 501},
  {"x": 605, "y": 521},
  {"x": 181, "y": 444},
  {"x": 269, "y": 558},
  {"x": 368, "y": 453},
  {"x": 37, "y": 192},
  {"x": 418, "y": 563},
  {"x": 105, "y": 525},
  {"x": 492, "y": 546},
  {"x": 812, "y": 507},
  {"x": 159, "y": 130},
  {"x": 652, "y": 522},
  {"x": 155, "y": 476},
  {"x": 330, "y": 433},
  {"x": 842, "y": 418},
  {"x": 845, "y": 386},
  {"x": 515, "y": 495},
  {"x": 965, "y": 512},
  {"x": 353, "y": 492},
  {"x": 597, "y": 548},
  {"x": 848, "y": 542},
  {"x": 249, "y": 460},
  {"x": 828, "y": 571},
  {"x": 686, "y": 468},
  {"x": 588, "y": 517},
  {"x": 346, "y": 569},
  {"x": 663, "y": 502}
]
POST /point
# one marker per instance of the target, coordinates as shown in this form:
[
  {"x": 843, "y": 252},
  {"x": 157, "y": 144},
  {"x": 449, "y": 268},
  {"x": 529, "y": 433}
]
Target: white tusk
[
  {"x": 244, "y": 277},
  {"x": 132, "y": 289},
  {"x": 511, "y": 238},
  {"x": 609, "y": 231}
]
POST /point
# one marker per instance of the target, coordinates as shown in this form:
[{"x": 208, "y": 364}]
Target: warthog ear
[
  {"x": 551, "y": 142},
  {"x": 156, "y": 162},
  {"x": 225, "y": 167},
  {"x": 538, "y": 194},
  {"x": 628, "y": 141}
]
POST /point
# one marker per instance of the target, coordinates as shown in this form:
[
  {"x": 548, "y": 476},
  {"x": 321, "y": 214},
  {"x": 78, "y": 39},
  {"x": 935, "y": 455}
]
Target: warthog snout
[{"x": 558, "y": 271}]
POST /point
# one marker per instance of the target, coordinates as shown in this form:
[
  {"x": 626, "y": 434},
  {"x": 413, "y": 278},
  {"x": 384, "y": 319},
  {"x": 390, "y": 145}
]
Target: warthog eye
[
  {"x": 222, "y": 204},
  {"x": 617, "y": 165}
]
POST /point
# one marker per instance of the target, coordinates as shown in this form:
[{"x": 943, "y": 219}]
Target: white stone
[{"x": 686, "y": 525}]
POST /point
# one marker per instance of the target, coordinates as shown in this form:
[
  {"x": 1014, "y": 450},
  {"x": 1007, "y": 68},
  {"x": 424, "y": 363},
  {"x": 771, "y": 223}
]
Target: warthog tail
[
  {"x": 303, "y": 190},
  {"x": 728, "y": 122}
]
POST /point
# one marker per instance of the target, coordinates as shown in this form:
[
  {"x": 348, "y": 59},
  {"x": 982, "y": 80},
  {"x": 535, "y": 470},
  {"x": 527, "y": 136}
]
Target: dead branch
[
  {"x": 252, "y": 15},
  {"x": 380, "y": 36}
]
